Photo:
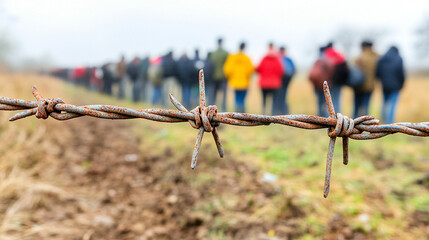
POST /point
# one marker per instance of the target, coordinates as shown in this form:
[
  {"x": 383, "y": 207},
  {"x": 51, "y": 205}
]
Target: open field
[{"x": 71, "y": 180}]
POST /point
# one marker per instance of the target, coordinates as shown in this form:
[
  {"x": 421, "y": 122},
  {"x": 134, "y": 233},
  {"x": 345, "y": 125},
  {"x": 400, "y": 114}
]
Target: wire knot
[
  {"x": 203, "y": 118},
  {"x": 202, "y": 121},
  {"x": 46, "y": 107},
  {"x": 344, "y": 127}
]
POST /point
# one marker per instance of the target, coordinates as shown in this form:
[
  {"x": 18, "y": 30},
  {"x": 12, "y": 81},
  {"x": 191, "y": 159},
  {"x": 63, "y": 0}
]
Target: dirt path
[{"x": 114, "y": 191}]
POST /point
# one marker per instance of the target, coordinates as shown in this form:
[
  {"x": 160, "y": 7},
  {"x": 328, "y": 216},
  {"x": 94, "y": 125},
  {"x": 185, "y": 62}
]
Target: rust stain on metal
[{"x": 207, "y": 119}]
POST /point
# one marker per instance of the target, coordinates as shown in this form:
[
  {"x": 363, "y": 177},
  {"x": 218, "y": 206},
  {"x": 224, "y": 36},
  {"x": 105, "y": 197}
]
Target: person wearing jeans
[
  {"x": 169, "y": 75},
  {"x": 366, "y": 62},
  {"x": 390, "y": 71},
  {"x": 133, "y": 71},
  {"x": 361, "y": 103},
  {"x": 322, "y": 107},
  {"x": 218, "y": 86},
  {"x": 340, "y": 73},
  {"x": 187, "y": 78},
  {"x": 274, "y": 93},
  {"x": 157, "y": 94},
  {"x": 155, "y": 75},
  {"x": 270, "y": 71},
  {"x": 320, "y": 72},
  {"x": 390, "y": 98},
  {"x": 238, "y": 69},
  {"x": 289, "y": 72},
  {"x": 218, "y": 58},
  {"x": 240, "y": 96}
]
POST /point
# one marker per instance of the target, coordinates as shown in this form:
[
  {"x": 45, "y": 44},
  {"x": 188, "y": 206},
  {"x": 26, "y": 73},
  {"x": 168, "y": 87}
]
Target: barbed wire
[{"x": 207, "y": 119}]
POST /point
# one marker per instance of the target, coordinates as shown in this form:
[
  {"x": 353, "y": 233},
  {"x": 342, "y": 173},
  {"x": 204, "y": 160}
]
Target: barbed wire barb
[{"x": 207, "y": 119}]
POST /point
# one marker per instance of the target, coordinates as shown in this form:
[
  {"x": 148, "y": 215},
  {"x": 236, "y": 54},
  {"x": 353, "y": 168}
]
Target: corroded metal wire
[{"x": 207, "y": 119}]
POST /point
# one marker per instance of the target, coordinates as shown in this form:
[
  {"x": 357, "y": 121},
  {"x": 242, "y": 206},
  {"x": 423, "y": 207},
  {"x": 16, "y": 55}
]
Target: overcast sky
[{"x": 77, "y": 32}]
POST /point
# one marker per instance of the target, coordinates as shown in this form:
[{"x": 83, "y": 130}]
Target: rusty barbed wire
[{"x": 207, "y": 119}]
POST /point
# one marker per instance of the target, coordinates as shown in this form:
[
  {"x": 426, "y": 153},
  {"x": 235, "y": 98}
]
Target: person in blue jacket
[
  {"x": 390, "y": 71},
  {"x": 289, "y": 71}
]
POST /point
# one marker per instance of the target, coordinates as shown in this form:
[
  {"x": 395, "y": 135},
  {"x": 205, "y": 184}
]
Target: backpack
[
  {"x": 321, "y": 71},
  {"x": 154, "y": 73},
  {"x": 289, "y": 67},
  {"x": 356, "y": 77}
]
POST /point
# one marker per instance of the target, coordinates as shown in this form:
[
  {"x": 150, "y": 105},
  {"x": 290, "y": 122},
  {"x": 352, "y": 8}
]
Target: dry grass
[{"x": 27, "y": 180}]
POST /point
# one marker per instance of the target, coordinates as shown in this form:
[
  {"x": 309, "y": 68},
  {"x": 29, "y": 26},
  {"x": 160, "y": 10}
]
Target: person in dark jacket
[
  {"x": 133, "y": 71},
  {"x": 169, "y": 71},
  {"x": 198, "y": 65},
  {"x": 209, "y": 72},
  {"x": 108, "y": 78},
  {"x": 144, "y": 67},
  {"x": 186, "y": 73},
  {"x": 390, "y": 71},
  {"x": 87, "y": 77},
  {"x": 169, "y": 67}
]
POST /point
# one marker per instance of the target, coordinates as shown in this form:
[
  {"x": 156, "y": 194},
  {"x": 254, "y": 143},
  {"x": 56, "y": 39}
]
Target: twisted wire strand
[{"x": 207, "y": 119}]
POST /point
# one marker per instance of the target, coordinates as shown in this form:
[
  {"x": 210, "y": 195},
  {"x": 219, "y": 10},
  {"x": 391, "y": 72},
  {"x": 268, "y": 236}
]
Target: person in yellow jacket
[{"x": 238, "y": 69}]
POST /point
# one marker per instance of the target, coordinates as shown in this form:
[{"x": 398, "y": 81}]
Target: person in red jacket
[{"x": 270, "y": 77}]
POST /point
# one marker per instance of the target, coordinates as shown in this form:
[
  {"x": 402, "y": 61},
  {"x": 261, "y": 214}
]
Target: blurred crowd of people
[
  {"x": 361, "y": 75},
  {"x": 153, "y": 77}
]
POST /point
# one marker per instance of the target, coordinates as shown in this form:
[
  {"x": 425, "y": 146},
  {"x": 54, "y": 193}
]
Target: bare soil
[{"x": 153, "y": 197}]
